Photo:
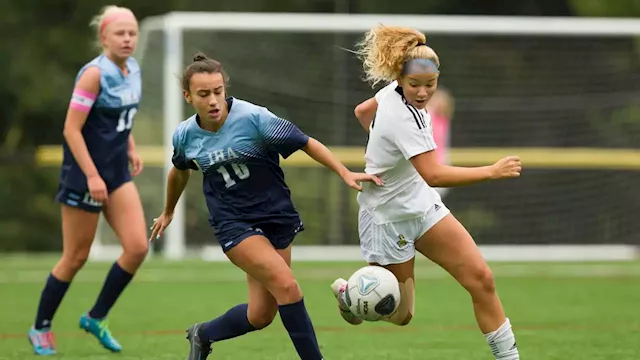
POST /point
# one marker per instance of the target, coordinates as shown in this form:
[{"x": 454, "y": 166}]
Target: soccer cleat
[
  {"x": 99, "y": 329},
  {"x": 199, "y": 349},
  {"x": 42, "y": 341},
  {"x": 338, "y": 287}
]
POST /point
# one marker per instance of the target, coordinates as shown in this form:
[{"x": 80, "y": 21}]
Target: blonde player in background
[
  {"x": 406, "y": 214},
  {"x": 99, "y": 162}
]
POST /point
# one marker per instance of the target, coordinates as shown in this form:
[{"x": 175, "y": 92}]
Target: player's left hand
[
  {"x": 354, "y": 179},
  {"x": 136, "y": 163},
  {"x": 159, "y": 225}
]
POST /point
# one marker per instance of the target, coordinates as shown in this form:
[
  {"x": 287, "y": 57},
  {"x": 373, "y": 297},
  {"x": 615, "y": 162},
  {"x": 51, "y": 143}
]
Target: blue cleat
[
  {"x": 42, "y": 341},
  {"x": 100, "y": 330}
]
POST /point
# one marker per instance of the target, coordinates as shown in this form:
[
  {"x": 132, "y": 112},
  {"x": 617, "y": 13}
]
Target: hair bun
[{"x": 199, "y": 57}]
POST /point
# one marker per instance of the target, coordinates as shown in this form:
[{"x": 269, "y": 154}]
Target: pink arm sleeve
[{"x": 82, "y": 100}]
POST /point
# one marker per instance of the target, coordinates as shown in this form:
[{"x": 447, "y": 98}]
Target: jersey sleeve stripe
[
  {"x": 279, "y": 131},
  {"x": 422, "y": 119},
  {"x": 416, "y": 116}
]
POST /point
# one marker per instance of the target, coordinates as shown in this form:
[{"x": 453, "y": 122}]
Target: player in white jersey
[{"x": 406, "y": 214}]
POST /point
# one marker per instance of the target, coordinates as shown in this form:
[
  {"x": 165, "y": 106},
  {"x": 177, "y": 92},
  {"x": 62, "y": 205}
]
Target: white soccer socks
[{"x": 503, "y": 343}]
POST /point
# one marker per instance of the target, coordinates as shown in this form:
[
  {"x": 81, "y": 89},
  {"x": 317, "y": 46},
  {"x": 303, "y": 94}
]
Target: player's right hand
[
  {"x": 354, "y": 179},
  {"x": 159, "y": 224},
  {"x": 97, "y": 188},
  {"x": 507, "y": 167}
]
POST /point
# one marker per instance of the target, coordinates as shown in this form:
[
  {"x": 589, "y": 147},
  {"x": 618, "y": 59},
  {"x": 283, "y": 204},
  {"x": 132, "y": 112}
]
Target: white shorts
[{"x": 394, "y": 243}]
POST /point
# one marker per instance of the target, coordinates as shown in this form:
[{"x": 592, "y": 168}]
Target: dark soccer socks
[
  {"x": 297, "y": 322},
  {"x": 50, "y": 299},
  {"x": 294, "y": 316},
  {"x": 231, "y": 324},
  {"x": 54, "y": 290},
  {"x": 115, "y": 283}
]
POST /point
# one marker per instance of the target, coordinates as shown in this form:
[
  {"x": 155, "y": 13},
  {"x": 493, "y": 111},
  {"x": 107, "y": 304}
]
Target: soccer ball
[{"x": 372, "y": 293}]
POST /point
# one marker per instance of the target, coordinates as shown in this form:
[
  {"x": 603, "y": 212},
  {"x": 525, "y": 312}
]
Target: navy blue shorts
[
  {"x": 82, "y": 199},
  {"x": 281, "y": 235},
  {"x": 73, "y": 191},
  {"x": 78, "y": 199}
]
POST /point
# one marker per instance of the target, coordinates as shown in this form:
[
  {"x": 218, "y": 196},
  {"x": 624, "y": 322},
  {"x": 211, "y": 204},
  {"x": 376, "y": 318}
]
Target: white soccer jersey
[{"x": 398, "y": 132}]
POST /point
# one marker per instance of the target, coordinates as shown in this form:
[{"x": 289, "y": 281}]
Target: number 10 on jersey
[{"x": 241, "y": 171}]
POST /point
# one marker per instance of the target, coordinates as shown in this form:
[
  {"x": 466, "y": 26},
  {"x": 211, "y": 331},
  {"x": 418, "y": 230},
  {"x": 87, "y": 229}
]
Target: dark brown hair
[{"x": 202, "y": 64}]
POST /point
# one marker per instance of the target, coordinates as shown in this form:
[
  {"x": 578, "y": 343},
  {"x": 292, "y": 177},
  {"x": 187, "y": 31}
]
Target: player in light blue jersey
[
  {"x": 96, "y": 177},
  {"x": 237, "y": 145}
]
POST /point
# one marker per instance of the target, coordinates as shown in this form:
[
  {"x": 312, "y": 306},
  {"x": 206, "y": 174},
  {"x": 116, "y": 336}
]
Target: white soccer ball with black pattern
[{"x": 372, "y": 292}]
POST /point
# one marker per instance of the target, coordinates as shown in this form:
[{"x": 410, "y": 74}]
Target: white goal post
[{"x": 172, "y": 25}]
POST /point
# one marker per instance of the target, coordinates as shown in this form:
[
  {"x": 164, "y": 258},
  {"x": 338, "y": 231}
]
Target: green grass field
[{"x": 559, "y": 311}]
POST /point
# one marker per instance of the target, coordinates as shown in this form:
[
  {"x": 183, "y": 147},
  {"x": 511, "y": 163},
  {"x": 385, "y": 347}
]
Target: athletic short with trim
[
  {"x": 73, "y": 191},
  {"x": 394, "y": 243},
  {"x": 279, "y": 234},
  {"x": 82, "y": 199}
]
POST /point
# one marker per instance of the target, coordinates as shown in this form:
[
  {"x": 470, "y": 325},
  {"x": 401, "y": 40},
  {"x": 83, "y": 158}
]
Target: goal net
[{"x": 564, "y": 94}]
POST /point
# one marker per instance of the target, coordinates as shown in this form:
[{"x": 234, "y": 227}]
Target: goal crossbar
[{"x": 300, "y": 22}]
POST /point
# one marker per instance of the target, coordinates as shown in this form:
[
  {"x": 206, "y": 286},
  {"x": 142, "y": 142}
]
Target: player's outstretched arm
[
  {"x": 439, "y": 175},
  {"x": 320, "y": 153},
  {"x": 176, "y": 183},
  {"x": 82, "y": 100},
  {"x": 366, "y": 112}
]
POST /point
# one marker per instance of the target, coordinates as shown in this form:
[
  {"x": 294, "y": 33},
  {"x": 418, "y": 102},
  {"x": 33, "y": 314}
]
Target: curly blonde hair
[{"x": 385, "y": 49}]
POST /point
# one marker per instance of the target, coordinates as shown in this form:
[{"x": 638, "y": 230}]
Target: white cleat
[{"x": 338, "y": 287}]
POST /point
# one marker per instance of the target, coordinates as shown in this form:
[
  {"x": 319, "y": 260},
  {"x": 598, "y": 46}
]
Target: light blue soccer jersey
[
  {"x": 242, "y": 178},
  {"x": 108, "y": 125}
]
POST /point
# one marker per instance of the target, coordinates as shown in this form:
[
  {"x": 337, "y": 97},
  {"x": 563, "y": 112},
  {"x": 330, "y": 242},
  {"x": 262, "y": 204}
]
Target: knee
[
  {"x": 73, "y": 262},
  {"x": 136, "y": 252},
  {"x": 286, "y": 290},
  {"x": 479, "y": 282}
]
